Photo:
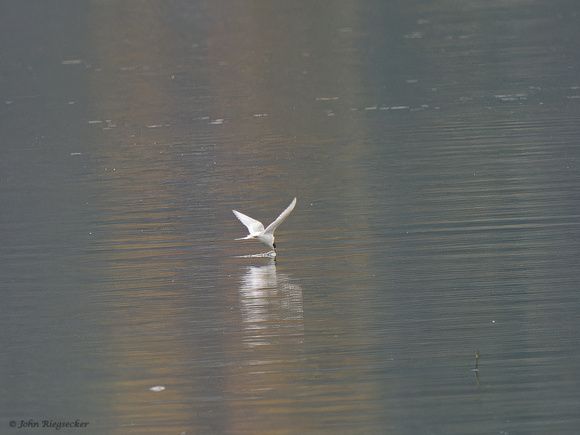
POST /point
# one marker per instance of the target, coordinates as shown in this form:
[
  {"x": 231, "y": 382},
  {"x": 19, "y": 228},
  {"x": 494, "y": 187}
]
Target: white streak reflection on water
[{"x": 271, "y": 307}]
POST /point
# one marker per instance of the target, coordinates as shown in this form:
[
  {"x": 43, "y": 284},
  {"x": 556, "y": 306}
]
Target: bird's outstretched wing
[
  {"x": 253, "y": 225},
  {"x": 272, "y": 227}
]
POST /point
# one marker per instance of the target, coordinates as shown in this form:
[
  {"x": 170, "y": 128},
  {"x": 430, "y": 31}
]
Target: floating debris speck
[
  {"x": 157, "y": 388},
  {"x": 414, "y": 35}
]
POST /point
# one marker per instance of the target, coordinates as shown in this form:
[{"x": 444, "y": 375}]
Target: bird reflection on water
[{"x": 271, "y": 307}]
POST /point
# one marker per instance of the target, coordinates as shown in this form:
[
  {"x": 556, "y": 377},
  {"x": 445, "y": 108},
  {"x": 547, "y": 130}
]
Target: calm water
[{"x": 434, "y": 151}]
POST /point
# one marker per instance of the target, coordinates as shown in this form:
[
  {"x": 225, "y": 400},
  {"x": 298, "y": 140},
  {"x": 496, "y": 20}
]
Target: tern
[{"x": 256, "y": 228}]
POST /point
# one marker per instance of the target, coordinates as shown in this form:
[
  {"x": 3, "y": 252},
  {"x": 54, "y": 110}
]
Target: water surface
[{"x": 433, "y": 150}]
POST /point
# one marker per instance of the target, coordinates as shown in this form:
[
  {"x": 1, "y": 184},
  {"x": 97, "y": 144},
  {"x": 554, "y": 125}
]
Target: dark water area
[{"x": 425, "y": 283}]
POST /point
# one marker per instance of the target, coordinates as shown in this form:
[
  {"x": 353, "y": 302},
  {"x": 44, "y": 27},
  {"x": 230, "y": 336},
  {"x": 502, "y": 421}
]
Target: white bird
[{"x": 256, "y": 228}]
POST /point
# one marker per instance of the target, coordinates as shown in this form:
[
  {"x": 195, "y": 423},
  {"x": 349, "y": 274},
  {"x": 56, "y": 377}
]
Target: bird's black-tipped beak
[{"x": 274, "y": 245}]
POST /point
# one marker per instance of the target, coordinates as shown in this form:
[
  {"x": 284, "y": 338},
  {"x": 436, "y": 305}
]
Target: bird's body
[{"x": 256, "y": 228}]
